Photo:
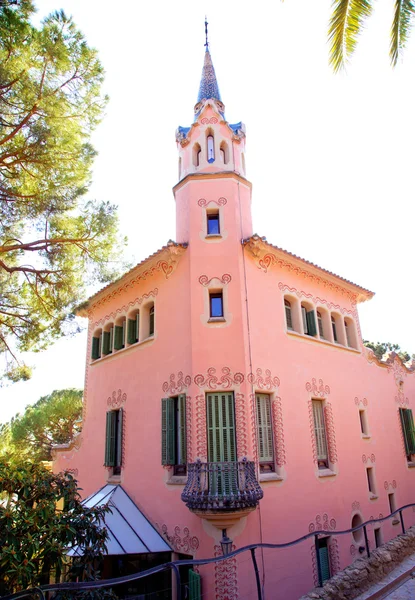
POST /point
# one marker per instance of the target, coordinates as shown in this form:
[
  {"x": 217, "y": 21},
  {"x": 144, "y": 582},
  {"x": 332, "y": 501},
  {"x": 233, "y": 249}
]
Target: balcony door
[{"x": 221, "y": 444}]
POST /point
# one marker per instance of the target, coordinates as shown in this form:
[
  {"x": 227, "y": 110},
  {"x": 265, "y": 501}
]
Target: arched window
[
  {"x": 119, "y": 333},
  {"x": 133, "y": 328},
  {"x": 197, "y": 151},
  {"x": 309, "y": 319},
  {"x": 210, "y": 140},
  {"x": 96, "y": 344},
  {"x": 108, "y": 339},
  {"x": 288, "y": 314},
  {"x": 334, "y": 328},
  {"x": 224, "y": 153},
  {"x": 351, "y": 338},
  {"x": 320, "y": 324},
  {"x": 151, "y": 321}
]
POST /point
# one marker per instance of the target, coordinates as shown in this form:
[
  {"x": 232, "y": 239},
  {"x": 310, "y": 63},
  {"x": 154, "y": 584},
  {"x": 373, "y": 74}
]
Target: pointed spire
[{"x": 208, "y": 84}]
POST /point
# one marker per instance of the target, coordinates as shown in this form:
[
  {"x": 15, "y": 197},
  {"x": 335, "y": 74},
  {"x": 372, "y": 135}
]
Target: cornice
[
  {"x": 164, "y": 261},
  {"x": 266, "y": 256},
  {"x": 218, "y": 175}
]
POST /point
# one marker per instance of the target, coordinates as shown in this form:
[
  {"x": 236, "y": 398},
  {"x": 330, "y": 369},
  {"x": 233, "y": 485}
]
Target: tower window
[
  {"x": 197, "y": 151},
  {"x": 213, "y": 227},
  {"x": 210, "y": 148},
  {"x": 224, "y": 153},
  {"x": 216, "y": 304}
]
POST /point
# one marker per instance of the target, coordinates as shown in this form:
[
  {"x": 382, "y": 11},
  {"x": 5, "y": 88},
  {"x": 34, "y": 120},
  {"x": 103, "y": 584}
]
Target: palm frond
[
  {"x": 347, "y": 21},
  {"x": 401, "y": 27}
]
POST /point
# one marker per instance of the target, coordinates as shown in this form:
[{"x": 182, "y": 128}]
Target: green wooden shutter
[
  {"x": 320, "y": 326},
  {"x": 118, "y": 453},
  {"x": 333, "y": 326},
  {"x": 110, "y": 438},
  {"x": 324, "y": 562},
  {"x": 407, "y": 423},
  {"x": 111, "y": 339},
  {"x": 106, "y": 343},
  {"x": 264, "y": 425},
  {"x": 194, "y": 586},
  {"x": 168, "y": 437},
  {"x": 319, "y": 430},
  {"x": 118, "y": 337},
  {"x": 311, "y": 323},
  {"x": 132, "y": 331},
  {"x": 222, "y": 443},
  {"x": 95, "y": 348},
  {"x": 181, "y": 433}
]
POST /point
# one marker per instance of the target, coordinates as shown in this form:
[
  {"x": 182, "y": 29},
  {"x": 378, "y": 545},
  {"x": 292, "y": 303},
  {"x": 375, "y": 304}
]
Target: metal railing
[
  {"x": 175, "y": 565},
  {"x": 221, "y": 486}
]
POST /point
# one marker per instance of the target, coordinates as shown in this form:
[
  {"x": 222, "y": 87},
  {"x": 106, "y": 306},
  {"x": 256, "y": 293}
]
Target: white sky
[{"x": 330, "y": 156}]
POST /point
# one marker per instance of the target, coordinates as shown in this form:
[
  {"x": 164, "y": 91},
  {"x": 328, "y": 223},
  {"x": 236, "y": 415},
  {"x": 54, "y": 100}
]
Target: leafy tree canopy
[
  {"x": 41, "y": 518},
  {"x": 54, "y": 419},
  {"x": 52, "y": 240},
  {"x": 380, "y": 348}
]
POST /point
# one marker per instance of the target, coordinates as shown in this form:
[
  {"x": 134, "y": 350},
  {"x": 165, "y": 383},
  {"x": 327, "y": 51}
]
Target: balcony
[{"x": 222, "y": 492}]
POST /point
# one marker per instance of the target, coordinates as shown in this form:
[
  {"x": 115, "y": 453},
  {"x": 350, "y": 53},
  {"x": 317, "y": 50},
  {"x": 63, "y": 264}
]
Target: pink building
[{"x": 227, "y": 388}]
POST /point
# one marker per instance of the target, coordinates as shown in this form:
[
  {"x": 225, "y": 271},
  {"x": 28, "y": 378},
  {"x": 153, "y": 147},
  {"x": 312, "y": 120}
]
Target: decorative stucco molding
[
  {"x": 319, "y": 389},
  {"x": 201, "y": 439},
  {"x": 358, "y": 402},
  {"x": 172, "y": 387},
  {"x": 241, "y": 427},
  {"x": 390, "y": 485},
  {"x": 225, "y": 279},
  {"x": 183, "y": 543},
  {"x": 226, "y": 577},
  {"x": 263, "y": 382},
  {"x": 330, "y": 431},
  {"x": 322, "y": 523},
  {"x": 126, "y": 307},
  {"x": 220, "y": 202},
  {"x": 316, "y": 299},
  {"x": 366, "y": 459},
  {"x": 116, "y": 400},
  {"x": 211, "y": 121},
  {"x": 213, "y": 382}
]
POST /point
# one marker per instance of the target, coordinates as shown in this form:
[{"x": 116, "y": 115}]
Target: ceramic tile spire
[{"x": 208, "y": 84}]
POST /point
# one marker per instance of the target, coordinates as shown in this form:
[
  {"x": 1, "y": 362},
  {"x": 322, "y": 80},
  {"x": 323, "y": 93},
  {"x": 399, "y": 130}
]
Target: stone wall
[{"x": 364, "y": 572}]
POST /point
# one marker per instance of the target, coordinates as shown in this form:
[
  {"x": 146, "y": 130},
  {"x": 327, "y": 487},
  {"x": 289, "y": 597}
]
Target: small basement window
[
  {"x": 371, "y": 481},
  {"x": 213, "y": 226},
  {"x": 216, "y": 304}
]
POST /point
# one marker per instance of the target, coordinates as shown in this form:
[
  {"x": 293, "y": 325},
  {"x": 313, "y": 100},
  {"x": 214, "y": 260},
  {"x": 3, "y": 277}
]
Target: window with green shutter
[
  {"x": 151, "y": 321},
  {"x": 173, "y": 433},
  {"x": 195, "y": 592},
  {"x": 311, "y": 323},
  {"x": 264, "y": 429},
  {"x": 133, "y": 328},
  {"x": 407, "y": 423},
  {"x": 324, "y": 559},
  {"x": 119, "y": 336},
  {"x": 96, "y": 347},
  {"x": 320, "y": 325},
  {"x": 113, "y": 440},
  {"x": 106, "y": 343},
  {"x": 222, "y": 442},
  {"x": 320, "y": 434}
]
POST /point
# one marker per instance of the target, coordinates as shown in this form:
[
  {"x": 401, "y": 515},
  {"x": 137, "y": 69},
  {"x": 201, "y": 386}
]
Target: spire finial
[{"x": 206, "y": 34}]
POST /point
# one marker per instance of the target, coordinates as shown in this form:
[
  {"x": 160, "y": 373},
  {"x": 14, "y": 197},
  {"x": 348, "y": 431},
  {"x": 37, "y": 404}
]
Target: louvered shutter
[
  {"x": 110, "y": 438},
  {"x": 288, "y": 317},
  {"x": 194, "y": 586},
  {"x": 320, "y": 326},
  {"x": 311, "y": 323},
  {"x": 333, "y": 326},
  {"x": 132, "y": 331},
  {"x": 151, "y": 323},
  {"x": 264, "y": 424},
  {"x": 304, "y": 317},
  {"x": 168, "y": 442},
  {"x": 95, "y": 348},
  {"x": 118, "y": 461},
  {"x": 319, "y": 430},
  {"x": 118, "y": 337},
  {"x": 222, "y": 442},
  {"x": 111, "y": 340},
  {"x": 324, "y": 563},
  {"x": 182, "y": 440},
  {"x": 407, "y": 423},
  {"x": 106, "y": 343}
]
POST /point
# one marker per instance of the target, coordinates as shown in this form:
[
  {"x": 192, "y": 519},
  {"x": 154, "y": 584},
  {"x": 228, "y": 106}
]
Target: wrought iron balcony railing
[{"x": 222, "y": 486}]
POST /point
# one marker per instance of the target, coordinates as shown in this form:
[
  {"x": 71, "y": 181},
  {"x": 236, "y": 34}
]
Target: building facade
[{"x": 227, "y": 388}]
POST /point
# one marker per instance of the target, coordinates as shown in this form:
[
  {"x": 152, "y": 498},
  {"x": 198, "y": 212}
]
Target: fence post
[
  {"x": 366, "y": 541},
  {"x": 402, "y": 523},
  {"x": 258, "y": 583},
  {"x": 320, "y": 580},
  {"x": 178, "y": 582}
]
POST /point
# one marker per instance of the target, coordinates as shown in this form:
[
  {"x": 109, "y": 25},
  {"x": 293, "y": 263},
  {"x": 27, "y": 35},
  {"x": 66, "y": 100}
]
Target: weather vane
[{"x": 206, "y": 33}]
